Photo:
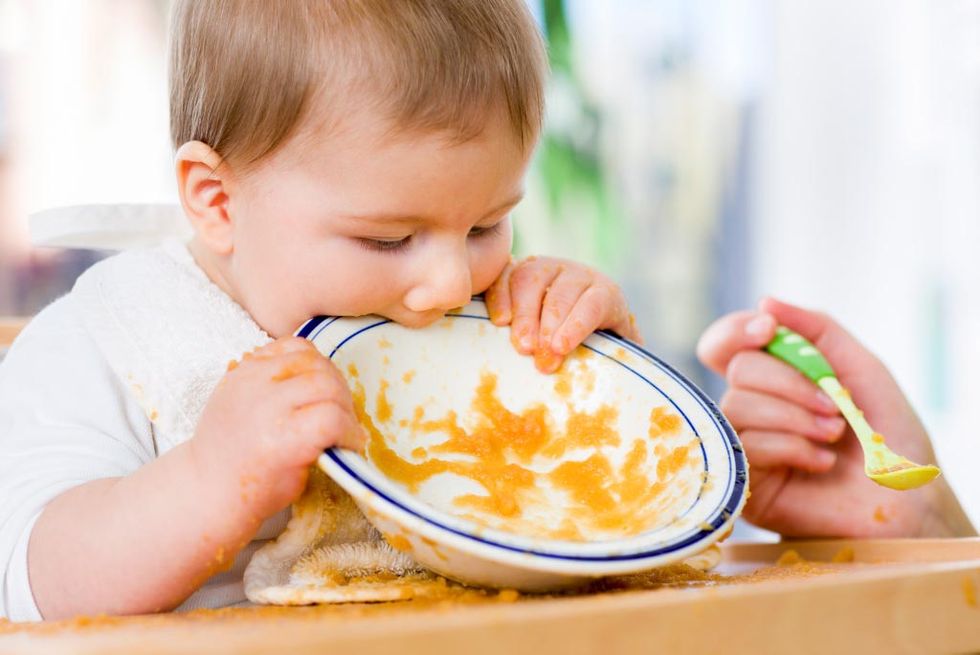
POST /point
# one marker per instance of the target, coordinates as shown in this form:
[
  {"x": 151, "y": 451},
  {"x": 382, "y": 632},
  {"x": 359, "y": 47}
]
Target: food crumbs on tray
[
  {"x": 431, "y": 593},
  {"x": 508, "y": 595},
  {"x": 352, "y": 370},
  {"x": 843, "y": 556},
  {"x": 969, "y": 592},
  {"x": 789, "y": 558},
  {"x": 384, "y": 343}
]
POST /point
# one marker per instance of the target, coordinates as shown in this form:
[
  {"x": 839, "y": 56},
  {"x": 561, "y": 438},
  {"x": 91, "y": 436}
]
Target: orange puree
[
  {"x": 498, "y": 452},
  {"x": 663, "y": 422}
]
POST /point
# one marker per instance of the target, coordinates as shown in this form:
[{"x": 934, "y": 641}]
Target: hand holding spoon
[{"x": 880, "y": 463}]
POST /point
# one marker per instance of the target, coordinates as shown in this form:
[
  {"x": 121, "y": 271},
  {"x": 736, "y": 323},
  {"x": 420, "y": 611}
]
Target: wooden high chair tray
[
  {"x": 887, "y": 596},
  {"x": 10, "y": 327}
]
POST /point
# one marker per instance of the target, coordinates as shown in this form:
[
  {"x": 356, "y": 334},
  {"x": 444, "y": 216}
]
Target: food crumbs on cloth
[
  {"x": 789, "y": 558},
  {"x": 969, "y": 592}
]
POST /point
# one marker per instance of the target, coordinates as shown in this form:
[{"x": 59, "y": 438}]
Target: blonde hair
[{"x": 243, "y": 72}]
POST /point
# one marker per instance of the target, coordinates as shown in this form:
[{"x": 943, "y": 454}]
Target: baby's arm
[
  {"x": 144, "y": 542},
  {"x": 807, "y": 473},
  {"x": 552, "y": 305}
]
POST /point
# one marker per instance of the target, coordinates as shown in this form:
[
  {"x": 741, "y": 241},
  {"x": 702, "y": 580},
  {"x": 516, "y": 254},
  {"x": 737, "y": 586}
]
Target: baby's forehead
[
  {"x": 360, "y": 132},
  {"x": 366, "y": 169}
]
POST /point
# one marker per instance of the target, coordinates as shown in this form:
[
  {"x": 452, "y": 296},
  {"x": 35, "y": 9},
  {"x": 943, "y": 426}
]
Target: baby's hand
[
  {"x": 807, "y": 475},
  {"x": 270, "y": 418},
  {"x": 552, "y": 305}
]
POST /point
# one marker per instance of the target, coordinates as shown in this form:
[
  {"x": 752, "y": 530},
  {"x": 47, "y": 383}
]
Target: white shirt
[{"x": 68, "y": 416}]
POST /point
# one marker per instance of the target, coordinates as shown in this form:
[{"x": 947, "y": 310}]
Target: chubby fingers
[
  {"x": 498, "y": 298},
  {"x": 314, "y": 395},
  {"x": 325, "y": 424},
  {"x": 279, "y": 347},
  {"x": 600, "y": 305},
  {"x": 730, "y": 334},
  {"x": 558, "y": 309},
  {"x": 529, "y": 282}
]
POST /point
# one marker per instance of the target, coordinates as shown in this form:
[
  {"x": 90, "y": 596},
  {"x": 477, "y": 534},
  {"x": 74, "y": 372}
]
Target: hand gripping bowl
[{"x": 490, "y": 473}]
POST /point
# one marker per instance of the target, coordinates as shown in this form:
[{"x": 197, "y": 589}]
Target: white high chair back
[{"x": 107, "y": 227}]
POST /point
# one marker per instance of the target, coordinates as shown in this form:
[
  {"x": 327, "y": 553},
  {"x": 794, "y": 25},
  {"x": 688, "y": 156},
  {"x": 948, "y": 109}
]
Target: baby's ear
[{"x": 203, "y": 183}]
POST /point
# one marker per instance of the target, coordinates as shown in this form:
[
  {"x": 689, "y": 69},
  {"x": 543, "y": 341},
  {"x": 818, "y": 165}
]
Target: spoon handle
[{"x": 799, "y": 353}]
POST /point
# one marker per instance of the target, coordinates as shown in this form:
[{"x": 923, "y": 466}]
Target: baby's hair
[{"x": 243, "y": 73}]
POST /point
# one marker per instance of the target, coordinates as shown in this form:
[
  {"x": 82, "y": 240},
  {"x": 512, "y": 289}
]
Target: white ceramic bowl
[{"x": 690, "y": 467}]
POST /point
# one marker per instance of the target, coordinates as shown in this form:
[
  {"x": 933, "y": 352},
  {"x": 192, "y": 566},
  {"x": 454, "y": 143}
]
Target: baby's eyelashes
[{"x": 385, "y": 245}]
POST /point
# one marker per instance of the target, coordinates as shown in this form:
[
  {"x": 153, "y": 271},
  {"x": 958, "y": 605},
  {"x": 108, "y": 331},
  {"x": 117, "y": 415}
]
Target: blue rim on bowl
[{"x": 659, "y": 546}]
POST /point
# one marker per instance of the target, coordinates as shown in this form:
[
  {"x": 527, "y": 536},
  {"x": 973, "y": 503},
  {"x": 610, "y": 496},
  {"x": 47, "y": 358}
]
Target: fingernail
[
  {"x": 832, "y": 426},
  {"x": 826, "y": 402},
  {"x": 547, "y": 361},
  {"x": 760, "y": 327}
]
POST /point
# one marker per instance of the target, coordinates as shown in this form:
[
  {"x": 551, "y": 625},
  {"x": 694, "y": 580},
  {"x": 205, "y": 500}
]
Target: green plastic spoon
[{"x": 880, "y": 463}]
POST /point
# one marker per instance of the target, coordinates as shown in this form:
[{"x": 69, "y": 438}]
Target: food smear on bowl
[{"x": 608, "y": 486}]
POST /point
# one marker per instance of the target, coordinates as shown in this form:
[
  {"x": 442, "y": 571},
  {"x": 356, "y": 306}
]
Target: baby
[{"x": 338, "y": 157}]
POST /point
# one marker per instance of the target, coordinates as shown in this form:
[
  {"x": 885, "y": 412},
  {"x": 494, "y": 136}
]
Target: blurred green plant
[{"x": 567, "y": 172}]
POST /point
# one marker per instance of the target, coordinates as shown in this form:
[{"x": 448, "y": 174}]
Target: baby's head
[{"x": 349, "y": 157}]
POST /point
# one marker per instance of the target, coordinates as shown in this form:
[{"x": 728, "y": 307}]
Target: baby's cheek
[{"x": 487, "y": 263}]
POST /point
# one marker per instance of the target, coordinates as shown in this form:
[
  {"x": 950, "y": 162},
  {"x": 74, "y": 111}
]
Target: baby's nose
[{"x": 445, "y": 286}]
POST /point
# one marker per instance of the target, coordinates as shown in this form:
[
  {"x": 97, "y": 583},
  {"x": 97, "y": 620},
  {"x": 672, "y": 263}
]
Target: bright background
[{"x": 704, "y": 152}]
